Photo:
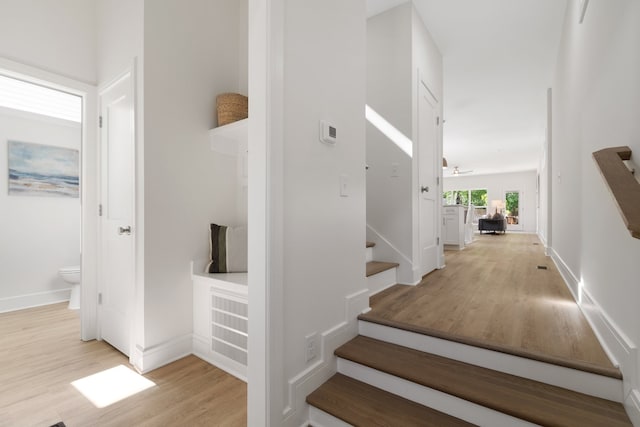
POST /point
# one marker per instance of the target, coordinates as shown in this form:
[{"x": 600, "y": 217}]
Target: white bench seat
[{"x": 220, "y": 319}]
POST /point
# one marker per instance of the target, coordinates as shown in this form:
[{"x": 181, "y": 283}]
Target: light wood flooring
[
  {"x": 491, "y": 294},
  {"x": 41, "y": 354}
]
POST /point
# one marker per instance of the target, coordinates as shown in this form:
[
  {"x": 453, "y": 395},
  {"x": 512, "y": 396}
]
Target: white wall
[
  {"x": 55, "y": 36},
  {"x": 597, "y": 105},
  {"x": 191, "y": 54},
  {"x": 119, "y": 48},
  {"x": 389, "y": 94},
  {"x": 39, "y": 234},
  {"x": 323, "y": 233},
  {"x": 399, "y": 48},
  {"x": 496, "y": 185},
  {"x": 544, "y": 172}
]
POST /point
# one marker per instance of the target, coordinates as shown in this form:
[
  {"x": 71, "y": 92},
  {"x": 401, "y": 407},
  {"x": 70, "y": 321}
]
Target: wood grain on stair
[
  {"x": 493, "y": 295},
  {"x": 519, "y": 397},
  {"x": 370, "y": 244},
  {"x": 360, "y": 404},
  {"x": 375, "y": 267}
]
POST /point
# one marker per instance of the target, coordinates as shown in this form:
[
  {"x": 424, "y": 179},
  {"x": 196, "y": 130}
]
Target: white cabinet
[
  {"x": 453, "y": 226},
  {"x": 220, "y": 320}
]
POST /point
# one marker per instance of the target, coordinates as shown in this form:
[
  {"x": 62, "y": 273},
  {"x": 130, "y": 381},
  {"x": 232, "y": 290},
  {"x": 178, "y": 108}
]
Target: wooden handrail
[{"x": 622, "y": 183}]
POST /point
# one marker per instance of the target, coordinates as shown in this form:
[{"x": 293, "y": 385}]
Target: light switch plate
[{"x": 344, "y": 185}]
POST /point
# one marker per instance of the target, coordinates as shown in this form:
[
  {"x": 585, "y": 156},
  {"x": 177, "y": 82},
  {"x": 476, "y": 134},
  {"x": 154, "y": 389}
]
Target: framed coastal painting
[{"x": 43, "y": 170}]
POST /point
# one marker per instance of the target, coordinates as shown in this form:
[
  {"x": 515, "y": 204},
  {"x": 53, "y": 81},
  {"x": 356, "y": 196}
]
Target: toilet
[{"x": 71, "y": 275}]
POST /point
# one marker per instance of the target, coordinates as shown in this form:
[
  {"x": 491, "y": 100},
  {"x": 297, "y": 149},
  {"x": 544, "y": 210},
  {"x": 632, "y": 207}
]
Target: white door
[
  {"x": 429, "y": 192},
  {"x": 117, "y": 266}
]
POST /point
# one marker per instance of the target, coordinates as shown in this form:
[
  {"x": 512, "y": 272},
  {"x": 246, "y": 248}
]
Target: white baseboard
[
  {"x": 632, "y": 405},
  {"x": 569, "y": 277},
  {"x": 620, "y": 349},
  {"x": 300, "y": 386},
  {"x": 542, "y": 240},
  {"x": 37, "y": 299},
  {"x": 202, "y": 349},
  {"x": 147, "y": 359}
]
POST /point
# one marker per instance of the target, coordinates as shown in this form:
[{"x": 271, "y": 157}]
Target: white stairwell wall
[
  {"x": 321, "y": 303},
  {"x": 392, "y": 210},
  {"x": 595, "y": 105}
]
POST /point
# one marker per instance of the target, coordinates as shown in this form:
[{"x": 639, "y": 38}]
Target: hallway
[{"x": 493, "y": 295}]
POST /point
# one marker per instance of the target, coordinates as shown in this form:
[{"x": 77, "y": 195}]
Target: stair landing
[{"x": 492, "y": 295}]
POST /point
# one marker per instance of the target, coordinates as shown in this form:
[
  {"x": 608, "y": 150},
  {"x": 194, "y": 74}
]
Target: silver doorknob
[
  {"x": 124, "y": 230},
  {"x": 424, "y": 189}
]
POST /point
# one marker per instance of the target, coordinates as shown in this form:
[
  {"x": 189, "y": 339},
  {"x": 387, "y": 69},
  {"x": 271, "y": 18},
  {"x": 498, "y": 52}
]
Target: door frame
[
  {"x": 88, "y": 179},
  {"x": 519, "y": 226},
  {"x": 437, "y": 178},
  {"x": 130, "y": 70}
]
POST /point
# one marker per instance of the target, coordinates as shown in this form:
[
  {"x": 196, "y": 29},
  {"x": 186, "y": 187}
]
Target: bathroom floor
[{"x": 41, "y": 355}]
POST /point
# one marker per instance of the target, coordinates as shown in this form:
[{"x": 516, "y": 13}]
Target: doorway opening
[
  {"x": 512, "y": 210},
  {"x": 43, "y": 135},
  {"x": 42, "y": 132}
]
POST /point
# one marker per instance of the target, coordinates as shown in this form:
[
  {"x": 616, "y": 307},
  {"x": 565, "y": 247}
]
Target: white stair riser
[
  {"x": 369, "y": 255},
  {"x": 571, "y": 379},
  {"x": 381, "y": 281},
  {"x": 319, "y": 418},
  {"x": 426, "y": 396}
]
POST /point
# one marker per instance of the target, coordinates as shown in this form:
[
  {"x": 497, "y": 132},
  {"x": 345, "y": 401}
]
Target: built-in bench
[{"x": 220, "y": 319}]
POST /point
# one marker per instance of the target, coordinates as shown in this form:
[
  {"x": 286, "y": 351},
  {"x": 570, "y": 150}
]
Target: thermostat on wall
[{"x": 328, "y": 133}]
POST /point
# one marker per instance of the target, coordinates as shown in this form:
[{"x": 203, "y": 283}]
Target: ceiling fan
[{"x": 457, "y": 171}]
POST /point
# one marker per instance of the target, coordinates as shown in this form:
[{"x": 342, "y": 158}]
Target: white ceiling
[{"x": 499, "y": 59}]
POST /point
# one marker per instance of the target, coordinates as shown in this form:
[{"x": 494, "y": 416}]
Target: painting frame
[{"x": 39, "y": 170}]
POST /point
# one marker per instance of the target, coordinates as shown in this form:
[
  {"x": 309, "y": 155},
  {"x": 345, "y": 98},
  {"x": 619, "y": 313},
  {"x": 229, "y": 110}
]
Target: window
[{"x": 477, "y": 198}]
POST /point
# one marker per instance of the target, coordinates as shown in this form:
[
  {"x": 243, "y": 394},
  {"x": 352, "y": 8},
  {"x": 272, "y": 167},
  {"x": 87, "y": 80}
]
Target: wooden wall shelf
[{"x": 623, "y": 185}]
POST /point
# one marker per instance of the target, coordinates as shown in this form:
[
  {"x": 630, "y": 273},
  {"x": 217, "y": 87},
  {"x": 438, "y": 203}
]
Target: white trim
[
  {"x": 88, "y": 179},
  {"x": 202, "y": 349},
  {"x": 443, "y": 402},
  {"x": 37, "y": 299},
  {"x": 632, "y": 405},
  {"x": 569, "y": 277},
  {"x": 387, "y": 251},
  {"x": 543, "y": 241},
  {"x": 265, "y": 392},
  {"x": 571, "y": 379},
  {"x": 312, "y": 377},
  {"x": 619, "y": 348},
  {"x": 319, "y": 418},
  {"x": 380, "y": 281},
  {"x": 147, "y": 359}
]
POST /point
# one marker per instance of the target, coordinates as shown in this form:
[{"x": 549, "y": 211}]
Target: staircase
[
  {"x": 388, "y": 376},
  {"x": 380, "y": 275}
]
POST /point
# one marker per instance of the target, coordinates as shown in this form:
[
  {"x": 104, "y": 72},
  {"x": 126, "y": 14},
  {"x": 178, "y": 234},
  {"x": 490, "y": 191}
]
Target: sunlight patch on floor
[{"x": 112, "y": 385}]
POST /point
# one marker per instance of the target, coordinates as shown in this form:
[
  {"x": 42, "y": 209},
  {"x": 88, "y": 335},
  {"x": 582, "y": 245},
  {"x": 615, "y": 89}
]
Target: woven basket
[{"x": 231, "y": 107}]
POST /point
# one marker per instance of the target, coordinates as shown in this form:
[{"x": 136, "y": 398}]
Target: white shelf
[{"x": 231, "y": 138}]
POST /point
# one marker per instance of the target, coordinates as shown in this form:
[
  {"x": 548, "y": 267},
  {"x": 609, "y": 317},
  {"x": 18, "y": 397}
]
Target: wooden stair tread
[
  {"x": 375, "y": 267},
  {"x": 360, "y": 404},
  {"x": 370, "y": 244},
  {"x": 522, "y": 398},
  {"x": 374, "y": 317}
]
